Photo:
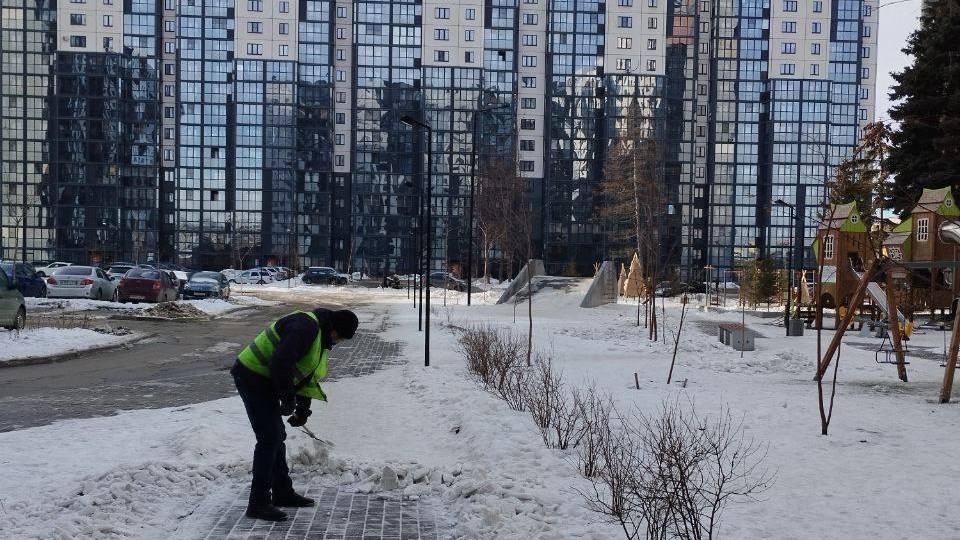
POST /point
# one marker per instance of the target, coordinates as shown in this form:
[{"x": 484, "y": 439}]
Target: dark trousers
[{"x": 270, "y": 471}]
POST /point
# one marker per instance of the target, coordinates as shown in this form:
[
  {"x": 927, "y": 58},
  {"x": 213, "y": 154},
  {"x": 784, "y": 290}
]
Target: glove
[
  {"x": 296, "y": 420},
  {"x": 287, "y": 405}
]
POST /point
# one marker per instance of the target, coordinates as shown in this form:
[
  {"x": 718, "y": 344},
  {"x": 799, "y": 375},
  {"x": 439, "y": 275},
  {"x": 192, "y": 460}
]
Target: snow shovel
[{"x": 313, "y": 436}]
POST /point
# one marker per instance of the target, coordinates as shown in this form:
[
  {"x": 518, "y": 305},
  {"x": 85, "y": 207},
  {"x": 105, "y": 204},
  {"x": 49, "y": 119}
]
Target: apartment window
[
  {"x": 788, "y": 69},
  {"x": 865, "y": 52},
  {"x": 341, "y": 118},
  {"x": 701, "y": 131},
  {"x": 624, "y": 22},
  {"x": 470, "y": 14},
  {"x": 441, "y": 56},
  {"x": 705, "y": 6},
  {"x": 701, "y": 89},
  {"x": 864, "y": 92},
  {"x": 169, "y": 47},
  {"x": 651, "y": 3},
  {"x": 284, "y": 28},
  {"x": 168, "y": 154},
  {"x": 168, "y": 133},
  {"x": 441, "y": 34},
  {"x": 818, "y": 7},
  {"x": 528, "y": 123},
  {"x": 789, "y": 5},
  {"x": 625, "y": 3},
  {"x": 863, "y": 114},
  {"x": 815, "y": 27},
  {"x": 530, "y": 40},
  {"x": 828, "y": 247},
  {"x": 340, "y": 160},
  {"x": 528, "y": 103},
  {"x": 255, "y": 49},
  {"x": 341, "y": 55},
  {"x": 78, "y": 41},
  {"x": 528, "y": 82},
  {"x": 651, "y": 44},
  {"x": 530, "y": 18},
  {"x": 341, "y": 12},
  {"x": 169, "y": 5},
  {"x": 529, "y": 61},
  {"x": 255, "y": 27},
  {"x": 341, "y": 97},
  {"x": 814, "y": 69},
  {"x": 469, "y": 35},
  {"x": 442, "y": 13},
  {"x": 526, "y": 166},
  {"x": 170, "y": 26},
  {"x": 108, "y": 43},
  {"x": 108, "y": 20},
  {"x": 624, "y": 43},
  {"x": 169, "y": 69},
  {"x": 284, "y": 7},
  {"x": 528, "y": 145},
  {"x": 789, "y": 27},
  {"x": 623, "y": 64},
  {"x": 254, "y": 5},
  {"x": 468, "y": 57},
  {"x": 788, "y": 47},
  {"x": 341, "y": 75},
  {"x": 651, "y": 65},
  {"x": 283, "y": 50},
  {"x": 923, "y": 229},
  {"x": 867, "y": 10},
  {"x": 339, "y": 139},
  {"x": 651, "y": 22},
  {"x": 814, "y": 48},
  {"x": 340, "y": 33},
  {"x": 865, "y": 73},
  {"x": 78, "y": 19},
  {"x": 866, "y": 30},
  {"x": 168, "y": 90}
]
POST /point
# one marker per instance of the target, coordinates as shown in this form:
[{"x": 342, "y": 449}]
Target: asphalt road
[{"x": 185, "y": 363}]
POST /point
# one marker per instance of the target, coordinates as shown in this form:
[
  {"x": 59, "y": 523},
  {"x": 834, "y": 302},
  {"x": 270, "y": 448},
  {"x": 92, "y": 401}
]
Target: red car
[{"x": 147, "y": 285}]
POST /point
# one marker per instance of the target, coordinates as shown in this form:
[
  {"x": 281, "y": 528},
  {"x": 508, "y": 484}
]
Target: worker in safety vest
[{"x": 277, "y": 375}]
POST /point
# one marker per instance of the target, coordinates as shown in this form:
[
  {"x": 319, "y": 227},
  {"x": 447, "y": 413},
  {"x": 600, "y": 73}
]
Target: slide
[{"x": 875, "y": 291}]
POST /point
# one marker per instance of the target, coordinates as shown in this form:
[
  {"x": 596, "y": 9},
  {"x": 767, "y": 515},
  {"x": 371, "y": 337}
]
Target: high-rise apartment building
[{"x": 236, "y": 132}]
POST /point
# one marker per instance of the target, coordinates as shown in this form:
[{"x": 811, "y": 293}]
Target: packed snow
[
  {"x": 886, "y": 471},
  {"x": 45, "y": 341}
]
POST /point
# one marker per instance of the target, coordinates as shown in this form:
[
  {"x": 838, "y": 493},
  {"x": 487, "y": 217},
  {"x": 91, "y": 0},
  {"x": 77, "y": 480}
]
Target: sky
[{"x": 897, "y": 21}]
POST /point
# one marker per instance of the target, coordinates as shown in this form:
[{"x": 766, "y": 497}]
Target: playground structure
[{"x": 912, "y": 270}]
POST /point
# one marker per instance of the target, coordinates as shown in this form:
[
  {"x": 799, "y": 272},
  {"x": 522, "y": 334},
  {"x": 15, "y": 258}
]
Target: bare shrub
[
  {"x": 567, "y": 421},
  {"x": 596, "y": 410},
  {"x": 542, "y": 390},
  {"x": 670, "y": 475},
  {"x": 476, "y": 345},
  {"x": 495, "y": 357}
]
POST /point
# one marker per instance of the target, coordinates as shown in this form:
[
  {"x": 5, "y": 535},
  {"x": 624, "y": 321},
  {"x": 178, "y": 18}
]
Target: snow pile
[
  {"x": 210, "y": 306},
  {"x": 68, "y": 305},
  {"x": 43, "y": 342},
  {"x": 173, "y": 310}
]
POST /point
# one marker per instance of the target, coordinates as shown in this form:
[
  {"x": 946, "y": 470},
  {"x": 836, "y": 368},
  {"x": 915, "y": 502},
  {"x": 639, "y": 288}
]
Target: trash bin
[{"x": 796, "y": 327}]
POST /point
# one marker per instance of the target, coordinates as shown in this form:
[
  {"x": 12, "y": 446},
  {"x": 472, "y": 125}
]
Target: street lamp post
[
  {"x": 414, "y": 123},
  {"x": 792, "y": 251},
  {"x": 473, "y": 183}
]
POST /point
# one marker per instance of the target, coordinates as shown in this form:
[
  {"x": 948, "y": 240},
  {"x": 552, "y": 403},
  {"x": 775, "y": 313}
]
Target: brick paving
[
  {"x": 338, "y": 515},
  {"x": 362, "y": 355}
]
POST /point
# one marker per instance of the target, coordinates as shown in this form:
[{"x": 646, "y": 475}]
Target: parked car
[
  {"x": 229, "y": 273},
  {"x": 255, "y": 276},
  {"x": 147, "y": 285},
  {"x": 47, "y": 269},
  {"x": 13, "y": 312},
  {"x": 207, "y": 285},
  {"x": 446, "y": 280},
  {"x": 29, "y": 282},
  {"x": 182, "y": 274},
  {"x": 81, "y": 282},
  {"x": 118, "y": 269},
  {"x": 323, "y": 274}
]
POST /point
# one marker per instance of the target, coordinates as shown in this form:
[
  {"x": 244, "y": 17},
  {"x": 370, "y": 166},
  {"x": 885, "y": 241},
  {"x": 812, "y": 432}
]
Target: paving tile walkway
[{"x": 338, "y": 515}]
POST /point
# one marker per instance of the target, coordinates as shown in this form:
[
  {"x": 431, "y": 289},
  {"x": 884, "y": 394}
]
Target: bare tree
[{"x": 491, "y": 190}]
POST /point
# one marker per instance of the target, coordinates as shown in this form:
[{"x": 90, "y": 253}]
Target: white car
[
  {"x": 81, "y": 282},
  {"x": 253, "y": 277},
  {"x": 45, "y": 271}
]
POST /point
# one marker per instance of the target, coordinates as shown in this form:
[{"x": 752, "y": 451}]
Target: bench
[{"x": 736, "y": 335}]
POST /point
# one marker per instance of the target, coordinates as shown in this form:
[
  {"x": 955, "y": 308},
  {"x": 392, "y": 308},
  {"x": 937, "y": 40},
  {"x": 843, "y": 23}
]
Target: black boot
[
  {"x": 266, "y": 512},
  {"x": 292, "y": 500}
]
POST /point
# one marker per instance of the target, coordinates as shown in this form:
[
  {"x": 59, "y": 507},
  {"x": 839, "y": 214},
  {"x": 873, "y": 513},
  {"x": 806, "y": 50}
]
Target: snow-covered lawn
[
  {"x": 42, "y": 342},
  {"x": 887, "y": 470}
]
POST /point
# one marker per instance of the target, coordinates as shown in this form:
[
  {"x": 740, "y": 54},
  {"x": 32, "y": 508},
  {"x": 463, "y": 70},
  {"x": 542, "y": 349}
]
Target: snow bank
[
  {"x": 68, "y": 305},
  {"x": 42, "y": 342}
]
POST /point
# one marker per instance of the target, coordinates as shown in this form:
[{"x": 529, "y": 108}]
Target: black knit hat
[{"x": 344, "y": 322}]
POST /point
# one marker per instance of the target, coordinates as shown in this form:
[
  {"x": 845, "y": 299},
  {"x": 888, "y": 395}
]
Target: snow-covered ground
[
  {"x": 209, "y": 306},
  {"x": 42, "y": 342},
  {"x": 886, "y": 471}
]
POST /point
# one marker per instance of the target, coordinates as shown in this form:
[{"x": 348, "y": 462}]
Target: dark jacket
[{"x": 297, "y": 332}]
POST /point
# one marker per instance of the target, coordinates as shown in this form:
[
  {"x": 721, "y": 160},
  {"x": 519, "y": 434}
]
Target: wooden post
[
  {"x": 842, "y": 325},
  {"x": 951, "y": 366},
  {"x": 893, "y": 310}
]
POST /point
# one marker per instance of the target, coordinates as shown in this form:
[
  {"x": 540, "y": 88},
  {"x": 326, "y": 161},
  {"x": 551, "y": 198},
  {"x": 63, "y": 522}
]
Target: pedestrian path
[{"x": 338, "y": 515}]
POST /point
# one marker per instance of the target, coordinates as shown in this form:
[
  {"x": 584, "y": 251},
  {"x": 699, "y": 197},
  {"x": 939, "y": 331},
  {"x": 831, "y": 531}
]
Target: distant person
[{"x": 277, "y": 375}]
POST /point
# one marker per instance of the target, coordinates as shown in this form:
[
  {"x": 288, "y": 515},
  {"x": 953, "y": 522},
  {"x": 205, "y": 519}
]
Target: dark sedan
[
  {"x": 446, "y": 280},
  {"x": 29, "y": 282},
  {"x": 207, "y": 285},
  {"x": 324, "y": 275}
]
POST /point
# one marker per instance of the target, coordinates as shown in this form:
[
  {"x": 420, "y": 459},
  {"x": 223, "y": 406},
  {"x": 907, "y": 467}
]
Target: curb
[{"x": 63, "y": 357}]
